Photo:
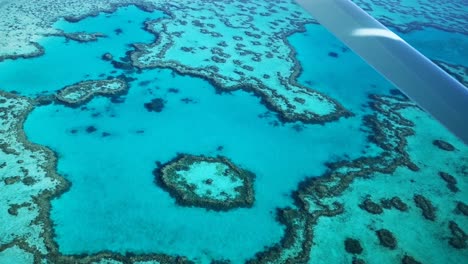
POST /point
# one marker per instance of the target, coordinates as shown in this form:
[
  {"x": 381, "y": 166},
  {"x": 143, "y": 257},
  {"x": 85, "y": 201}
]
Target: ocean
[{"x": 245, "y": 132}]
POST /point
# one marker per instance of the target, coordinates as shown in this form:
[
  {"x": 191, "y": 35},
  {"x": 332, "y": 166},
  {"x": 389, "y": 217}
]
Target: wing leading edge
[{"x": 419, "y": 78}]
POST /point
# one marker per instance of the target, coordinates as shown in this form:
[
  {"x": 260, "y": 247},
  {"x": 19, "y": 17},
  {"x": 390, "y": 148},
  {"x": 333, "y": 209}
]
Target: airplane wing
[{"x": 415, "y": 75}]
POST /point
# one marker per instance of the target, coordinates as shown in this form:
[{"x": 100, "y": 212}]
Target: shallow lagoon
[
  {"x": 67, "y": 61},
  {"x": 121, "y": 209},
  {"x": 114, "y": 204}
]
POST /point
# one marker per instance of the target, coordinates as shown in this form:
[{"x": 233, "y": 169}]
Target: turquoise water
[
  {"x": 453, "y": 48},
  {"x": 121, "y": 188},
  {"x": 347, "y": 76},
  {"x": 114, "y": 188},
  {"x": 67, "y": 62},
  {"x": 114, "y": 204}
]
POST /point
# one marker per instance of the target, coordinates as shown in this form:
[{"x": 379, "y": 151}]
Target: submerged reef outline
[
  {"x": 232, "y": 61},
  {"x": 212, "y": 183},
  {"x": 316, "y": 198},
  {"x": 82, "y": 92}
]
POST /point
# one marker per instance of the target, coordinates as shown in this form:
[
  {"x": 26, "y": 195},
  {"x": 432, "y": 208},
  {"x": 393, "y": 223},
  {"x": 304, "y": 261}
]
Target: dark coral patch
[
  {"x": 450, "y": 180},
  {"x": 333, "y": 54},
  {"x": 428, "y": 210},
  {"x": 399, "y": 204},
  {"x": 107, "y": 57},
  {"x": 12, "y": 180},
  {"x": 459, "y": 237},
  {"x": 353, "y": 246},
  {"x": 45, "y": 100},
  {"x": 462, "y": 208},
  {"x": 409, "y": 260},
  {"x": 155, "y": 105},
  {"x": 122, "y": 65},
  {"x": 29, "y": 181},
  {"x": 394, "y": 202},
  {"x": 187, "y": 100},
  {"x": 358, "y": 261},
  {"x": 91, "y": 129},
  {"x": 386, "y": 238},
  {"x": 443, "y": 145},
  {"x": 13, "y": 209},
  {"x": 371, "y": 207}
]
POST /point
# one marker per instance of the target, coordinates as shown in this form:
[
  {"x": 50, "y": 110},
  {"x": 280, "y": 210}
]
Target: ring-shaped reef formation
[
  {"x": 33, "y": 168},
  {"x": 315, "y": 198},
  {"x": 77, "y": 94},
  {"x": 213, "y": 183},
  {"x": 258, "y": 60},
  {"x": 27, "y": 231}
]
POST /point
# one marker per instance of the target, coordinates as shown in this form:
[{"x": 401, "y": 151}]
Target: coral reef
[
  {"x": 321, "y": 198},
  {"x": 25, "y": 23},
  {"x": 155, "y": 105},
  {"x": 27, "y": 230},
  {"x": 459, "y": 237},
  {"x": 237, "y": 61},
  {"x": 462, "y": 208},
  {"x": 450, "y": 180},
  {"x": 25, "y": 160},
  {"x": 408, "y": 15},
  {"x": 371, "y": 207},
  {"x": 409, "y": 260},
  {"x": 214, "y": 60},
  {"x": 212, "y": 183},
  {"x": 428, "y": 210},
  {"x": 107, "y": 57},
  {"x": 386, "y": 238},
  {"x": 82, "y": 92},
  {"x": 394, "y": 202},
  {"x": 80, "y": 36},
  {"x": 296, "y": 244},
  {"x": 353, "y": 246},
  {"x": 443, "y": 145}
]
